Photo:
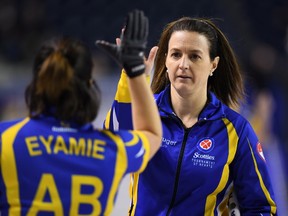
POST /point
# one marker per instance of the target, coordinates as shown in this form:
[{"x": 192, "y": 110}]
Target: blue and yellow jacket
[
  {"x": 51, "y": 168},
  {"x": 197, "y": 168}
]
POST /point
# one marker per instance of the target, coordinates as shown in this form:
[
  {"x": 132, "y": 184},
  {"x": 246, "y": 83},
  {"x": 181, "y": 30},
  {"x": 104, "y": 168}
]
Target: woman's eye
[
  {"x": 195, "y": 57},
  {"x": 176, "y": 55}
]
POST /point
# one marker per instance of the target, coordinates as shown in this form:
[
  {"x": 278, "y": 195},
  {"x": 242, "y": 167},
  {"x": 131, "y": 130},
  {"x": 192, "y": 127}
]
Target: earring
[
  {"x": 211, "y": 73},
  {"x": 167, "y": 71}
]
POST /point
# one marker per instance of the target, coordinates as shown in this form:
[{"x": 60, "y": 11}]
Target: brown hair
[
  {"x": 62, "y": 82},
  {"x": 227, "y": 81}
]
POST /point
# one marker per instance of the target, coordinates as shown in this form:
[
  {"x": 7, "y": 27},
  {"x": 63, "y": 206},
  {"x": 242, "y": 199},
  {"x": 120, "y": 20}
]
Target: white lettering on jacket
[
  {"x": 203, "y": 156},
  {"x": 167, "y": 142}
]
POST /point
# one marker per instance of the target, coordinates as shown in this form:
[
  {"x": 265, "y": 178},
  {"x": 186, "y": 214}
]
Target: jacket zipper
[{"x": 178, "y": 171}]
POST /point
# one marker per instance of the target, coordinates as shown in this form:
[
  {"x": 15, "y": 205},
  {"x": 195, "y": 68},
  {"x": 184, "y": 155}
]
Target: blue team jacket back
[{"x": 48, "y": 168}]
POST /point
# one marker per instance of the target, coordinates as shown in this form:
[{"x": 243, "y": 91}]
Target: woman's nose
[{"x": 184, "y": 64}]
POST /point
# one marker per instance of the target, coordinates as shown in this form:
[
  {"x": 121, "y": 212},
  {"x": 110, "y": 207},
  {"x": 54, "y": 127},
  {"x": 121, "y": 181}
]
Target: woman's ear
[{"x": 215, "y": 63}]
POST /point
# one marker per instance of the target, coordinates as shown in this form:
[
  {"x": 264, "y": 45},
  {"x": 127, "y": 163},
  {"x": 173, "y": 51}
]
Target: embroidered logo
[
  {"x": 260, "y": 151},
  {"x": 202, "y": 158},
  {"x": 167, "y": 142},
  {"x": 205, "y": 145}
]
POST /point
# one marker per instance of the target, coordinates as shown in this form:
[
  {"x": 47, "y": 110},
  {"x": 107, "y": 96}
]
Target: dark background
[{"x": 257, "y": 30}]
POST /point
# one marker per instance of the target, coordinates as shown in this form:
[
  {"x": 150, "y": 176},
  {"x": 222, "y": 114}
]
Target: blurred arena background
[{"x": 257, "y": 30}]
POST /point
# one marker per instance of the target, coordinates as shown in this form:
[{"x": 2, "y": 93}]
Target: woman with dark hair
[
  {"x": 208, "y": 149},
  {"x": 62, "y": 83},
  {"x": 54, "y": 162}
]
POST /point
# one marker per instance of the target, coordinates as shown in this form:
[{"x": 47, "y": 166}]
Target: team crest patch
[
  {"x": 205, "y": 145},
  {"x": 260, "y": 151}
]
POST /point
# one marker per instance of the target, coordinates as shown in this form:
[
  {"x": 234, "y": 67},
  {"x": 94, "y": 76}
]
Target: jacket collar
[
  {"x": 51, "y": 119},
  {"x": 215, "y": 109}
]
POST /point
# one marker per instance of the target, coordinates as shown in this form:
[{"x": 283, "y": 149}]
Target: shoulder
[
  {"x": 162, "y": 98},
  {"x": 234, "y": 116},
  {"x": 240, "y": 123},
  {"x": 9, "y": 123},
  {"x": 216, "y": 109}
]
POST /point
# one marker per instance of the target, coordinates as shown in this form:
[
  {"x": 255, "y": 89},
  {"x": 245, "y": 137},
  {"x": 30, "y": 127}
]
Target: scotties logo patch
[{"x": 205, "y": 145}]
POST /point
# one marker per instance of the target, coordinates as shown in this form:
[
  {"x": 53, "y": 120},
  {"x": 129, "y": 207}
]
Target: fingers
[
  {"x": 150, "y": 60},
  {"x": 144, "y": 26},
  {"x": 146, "y": 30},
  {"x": 152, "y": 54},
  {"x": 137, "y": 25},
  {"x": 103, "y": 44},
  {"x": 118, "y": 41},
  {"x": 129, "y": 26},
  {"x": 141, "y": 25},
  {"x": 109, "y": 48}
]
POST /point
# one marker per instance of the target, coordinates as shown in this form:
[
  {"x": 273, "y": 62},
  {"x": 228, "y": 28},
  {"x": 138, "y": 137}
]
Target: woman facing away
[
  {"x": 208, "y": 150},
  {"x": 54, "y": 162}
]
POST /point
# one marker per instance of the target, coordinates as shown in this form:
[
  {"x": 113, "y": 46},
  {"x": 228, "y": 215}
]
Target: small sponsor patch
[
  {"x": 260, "y": 151},
  {"x": 205, "y": 145}
]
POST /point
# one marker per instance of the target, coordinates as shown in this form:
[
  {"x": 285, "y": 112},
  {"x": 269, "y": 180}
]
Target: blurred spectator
[{"x": 265, "y": 110}]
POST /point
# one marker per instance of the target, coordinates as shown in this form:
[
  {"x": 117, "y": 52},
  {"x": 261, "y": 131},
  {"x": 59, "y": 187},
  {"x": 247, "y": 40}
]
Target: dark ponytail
[
  {"x": 62, "y": 83},
  {"x": 54, "y": 77}
]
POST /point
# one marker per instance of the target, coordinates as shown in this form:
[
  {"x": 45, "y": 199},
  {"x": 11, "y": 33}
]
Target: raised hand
[{"x": 129, "y": 53}]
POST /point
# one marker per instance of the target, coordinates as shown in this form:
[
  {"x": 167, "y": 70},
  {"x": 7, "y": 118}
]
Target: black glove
[{"x": 130, "y": 53}]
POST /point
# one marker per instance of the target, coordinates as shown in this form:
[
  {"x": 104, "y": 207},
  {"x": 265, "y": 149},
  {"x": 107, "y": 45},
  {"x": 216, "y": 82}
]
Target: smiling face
[{"x": 188, "y": 63}]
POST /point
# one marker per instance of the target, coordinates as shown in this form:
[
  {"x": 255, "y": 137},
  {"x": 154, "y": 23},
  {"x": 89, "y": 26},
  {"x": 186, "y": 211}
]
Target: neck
[{"x": 189, "y": 107}]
